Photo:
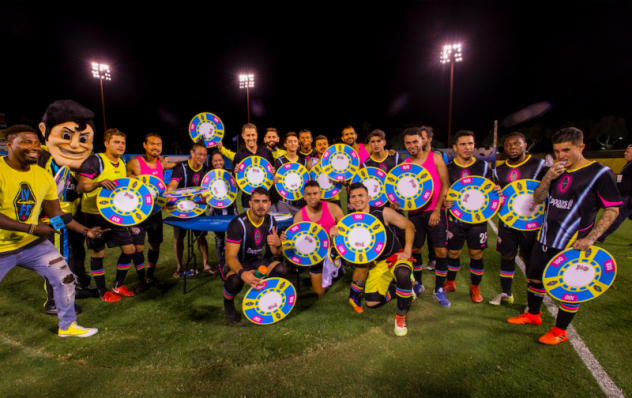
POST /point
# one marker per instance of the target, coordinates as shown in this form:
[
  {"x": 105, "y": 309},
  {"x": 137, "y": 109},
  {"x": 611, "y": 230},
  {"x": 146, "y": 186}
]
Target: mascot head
[{"x": 68, "y": 131}]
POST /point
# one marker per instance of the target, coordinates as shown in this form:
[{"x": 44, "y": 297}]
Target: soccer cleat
[
  {"x": 232, "y": 315},
  {"x": 122, "y": 291},
  {"x": 449, "y": 286},
  {"x": 75, "y": 330},
  {"x": 526, "y": 319},
  {"x": 141, "y": 288},
  {"x": 110, "y": 297},
  {"x": 431, "y": 265},
  {"x": 554, "y": 336},
  {"x": 502, "y": 298},
  {"x": 441, "y": 298},
  {"x": 356, "y": 304},
  {"x": 475, "y": 294},
  {"x": 401, "y": 329},
  {"x": 418, "y": 288}
]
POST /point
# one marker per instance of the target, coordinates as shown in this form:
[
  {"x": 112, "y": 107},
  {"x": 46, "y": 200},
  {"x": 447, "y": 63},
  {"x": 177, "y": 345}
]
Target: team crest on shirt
[
  {"x": 383, "y": 167},
  {"x": 258, "y": 236},
  {"x": 514, "y": 175},
  {"x": 465, "y": 173},
  {"x": 196, "y": 179},
  {"x": 24, "y": 202},
  {"x": 565, "y": 183}
]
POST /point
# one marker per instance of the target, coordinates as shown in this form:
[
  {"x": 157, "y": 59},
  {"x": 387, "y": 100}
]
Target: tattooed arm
[
  {"x": 540, "y": 193},
  {"x": 607, "y": 218}
]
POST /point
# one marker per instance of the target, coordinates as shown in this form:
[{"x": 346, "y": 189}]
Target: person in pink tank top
[{"x": 325, "y": 214}]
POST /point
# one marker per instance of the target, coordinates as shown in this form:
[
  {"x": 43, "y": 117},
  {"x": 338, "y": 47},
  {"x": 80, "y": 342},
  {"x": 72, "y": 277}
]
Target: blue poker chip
[
  {"x": 575, "y": 276},
  {"x": 271, "y": 303},
  {"x": 361, "y": 238},
  {"x": 409, "y": 185},
  {"x": 222, "y": 188},
  {"x": 129, "y": 204},
  {"x": 207, "y": 127},
  {"x": 157, "y": 188},
  {"x": 307, "y": 244},
  {"x": 185, "y": 192},
  {"x": 254, "y": 172},
  {"x": 188, "y": 207},
  {"x": 328, "y": 189},
  {"x": 374, "y": 180},
  {"x": 292, "y": 178},
  {"x": 475, "y": 200},
  {"x": 517, "y": 208},
  {"x": 340, "y": 162}
]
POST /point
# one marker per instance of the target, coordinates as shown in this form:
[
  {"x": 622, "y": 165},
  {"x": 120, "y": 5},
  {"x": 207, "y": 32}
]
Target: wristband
[
  {"x": 85, "y": 231},
  {"x": 241, "y": 271}
]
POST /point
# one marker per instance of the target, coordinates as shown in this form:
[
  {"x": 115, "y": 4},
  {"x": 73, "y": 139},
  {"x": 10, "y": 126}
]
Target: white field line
[{"x": 605, "y": 382}]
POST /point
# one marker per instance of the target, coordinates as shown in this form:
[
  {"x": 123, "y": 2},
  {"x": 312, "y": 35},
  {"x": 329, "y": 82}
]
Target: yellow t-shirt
[
  {"x": 21, "y": 200},
  {"x": 99, "y": 170}
]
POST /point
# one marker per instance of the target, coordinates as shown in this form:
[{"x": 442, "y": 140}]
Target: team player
[
  {"x": 575, "y": 188},
  {"x": 270, "y": 140},
  {"x": 247, "y": 236},
  {"x": 185, "y": 175},
  {"x": 518, "y": 166},
  {"x": 393, "y": 263},
  {"x": 321, "y": 143},
  {"x": 350, "y": 138},
  {"x": 464, "y": 165},
  {"x": 290, "y": 140},
  {"x": 26, "y": 190},
  {"x": 306, "y": 150},
  {"x": 380, "y": 157},
  {"x": 100, "y": 171}
]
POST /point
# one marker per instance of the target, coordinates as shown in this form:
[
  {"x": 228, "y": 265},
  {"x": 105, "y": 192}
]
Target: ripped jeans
[{"x": 46, "y": 261}]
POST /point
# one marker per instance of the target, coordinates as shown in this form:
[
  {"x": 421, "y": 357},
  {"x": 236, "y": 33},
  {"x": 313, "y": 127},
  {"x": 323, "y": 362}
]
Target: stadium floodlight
[
  {"x": 247, "y": 82},
  {"x": 451, "y": 53},
  {"x": 101, "y": 72}
]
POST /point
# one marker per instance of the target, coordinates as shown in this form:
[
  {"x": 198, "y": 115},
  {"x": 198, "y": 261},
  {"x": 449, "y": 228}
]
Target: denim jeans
[{"x": 46, "y": 261}]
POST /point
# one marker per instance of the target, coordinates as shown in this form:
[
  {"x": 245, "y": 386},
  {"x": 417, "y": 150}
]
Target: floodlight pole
[
  {"x": 248, "y": 102},
  {"x": 102, "y": 103},
  {"x": 450, "y": 109}
]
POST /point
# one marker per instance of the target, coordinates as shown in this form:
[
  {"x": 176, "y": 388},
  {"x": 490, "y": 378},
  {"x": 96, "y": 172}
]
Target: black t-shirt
[
  {"x": 186, "y": 176},
  {"x": 392, "y": 243},
  {"x": 385, "y": 164},
  {"x": 281, "y": 160},
  {"x": 624, "y": 180},
  {"x": 478, "y": 168},
  {"x": 245, "y": 153},
  {"x": 311, "y": 156},
  {"x": 253, "y": 239},
  {"x": 532, "y": 168}
]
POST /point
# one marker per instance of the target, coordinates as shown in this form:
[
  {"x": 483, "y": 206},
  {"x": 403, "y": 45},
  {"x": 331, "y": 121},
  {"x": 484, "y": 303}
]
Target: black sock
[
  {"x": 152, "y": 261},
  {"x": 477, "y": 267},
  {"x": 454, "y": 264},
  {"x": 279, "y": 271},
  {"x": 565, "y": 315},
  {"x": 404, "y": 289},
  {"x": 232, "y": 287},
  {"x": 122, "y": 266},
  {"x": 441, "y": 271},
  {"x": 507, "y": 270},
  {"x": 535, "y": 297},
  {"x": 98, "y": 274},
  {"x": 390, "y": 293},
  {"x": 139, "y": 262},
  {"x": 418, "y": 266},
  {"x": 356, "y": 288}
]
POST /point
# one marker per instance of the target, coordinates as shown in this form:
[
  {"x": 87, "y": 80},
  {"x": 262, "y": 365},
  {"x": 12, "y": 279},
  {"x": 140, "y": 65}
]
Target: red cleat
[
  {"x": 475, "y": 294},
  {"x": 110, "y": 297},
  {"x": 449, "y": 286},
  {"x": 526, "y": 319},
  {"x": 123, "y": 292},
  {"x": 555, "y": 336}
]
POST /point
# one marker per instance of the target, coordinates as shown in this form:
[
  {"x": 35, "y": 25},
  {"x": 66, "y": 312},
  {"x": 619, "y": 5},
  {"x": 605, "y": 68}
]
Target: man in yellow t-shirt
[{"x": 26, "y": 190}]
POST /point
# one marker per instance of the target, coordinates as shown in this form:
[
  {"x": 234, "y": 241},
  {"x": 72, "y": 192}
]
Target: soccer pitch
[{"x": 170, "y": 344}]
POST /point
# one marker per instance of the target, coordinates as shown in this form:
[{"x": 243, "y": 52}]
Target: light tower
[
  {"x": 451, "y": 54},
  {"x": 247, "y": 82},
  {"x": 101, "y": 71}
]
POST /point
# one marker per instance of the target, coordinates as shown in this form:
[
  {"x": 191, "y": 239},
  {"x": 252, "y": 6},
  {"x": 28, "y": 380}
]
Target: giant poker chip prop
[
  {"x": 208, "y": 127},
  {"x": 281, "y": 216},
  {"x": 307, "y": 244},
  {"x": 361, "y": 238},
  {"x": 187, "y": 207},
  {"x": 254, "y": 172},
  {"x": 292, "y": 178},
  {"x": 340, "y": 162},
  {"x": 518, "y": 210},
  {"x": 222, "y": 188},
  {"x": 271, "y": 303},
  {"x": 157, "y": 188},
  {"x": 374, "y": 180},
  {"x": 475, "y": 200},
  {"x": 328, "y": 190},
  {"x": 185, "y": 192},
  {"x": 575, "y": 276},
  {"x": 409, "y": 185},
  {"x": 129, "y": 204}
]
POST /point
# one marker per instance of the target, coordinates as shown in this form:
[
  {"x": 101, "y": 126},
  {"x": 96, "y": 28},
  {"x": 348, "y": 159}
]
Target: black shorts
[
  {"x": 540, "y": 257},
  {"x": 116, "y": 237},
  {"x": 475, "y": 234},
  {"x": 437, "y": 234},
  {"x": 152, "y": 227},
  {"x": 316, "y": 269},
  {"x": 257, "y": 263},
  {"x": 509, "y": 240}
]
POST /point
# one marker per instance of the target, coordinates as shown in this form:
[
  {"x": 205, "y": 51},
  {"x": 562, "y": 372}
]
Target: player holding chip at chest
[
  {"x": 465, "y": 165},
  {"x": 518, "y": 166},
  {"x": 574, "y": 190},
  {"x": 282, "y": 205},
  {"x": 380, "y": 158}
]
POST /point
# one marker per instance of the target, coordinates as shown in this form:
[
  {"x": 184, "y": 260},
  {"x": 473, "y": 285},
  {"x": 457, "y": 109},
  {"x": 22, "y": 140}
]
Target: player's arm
[
  {"x": 229, "y": 154},
  {"x": 133, "y": 168},
  {"x": 541, "y": 192},
  {"x": 607, "y": 218},
  {"x": 9, "y": 224},
  {"x": 391, "y": 217},
  {"x": 165, "y": 163},
  {"x": 86, "y": 185},
  {"x": 274, "y": 242},
  {"x": 337, "y": 214},
  {"x": 442, "y": 170},
  {"x": 249, "y": 278},
  {"x": 176, "y": 176},
  {"x": 52, "y": 209}
]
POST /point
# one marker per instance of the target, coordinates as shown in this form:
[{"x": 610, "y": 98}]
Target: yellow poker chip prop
[
  {"x": 307, "y": 244},
  {"x": 157, "y": 188},
  {"x": 271, "y": 303},
  {"x": 361, "y": 238},
  {"x": 185, "y": 192},
  {"x": 254, "y": 172},
  {"x": 292, "y": 178},
  {"x": 409, "y": 185},
  {"x": 328, "y": 189},
  {"x": 340, "y": 162},
  {"x": 208, "y": 127},
  {"x": 222, "y": 188},
  {"x": 517, "y": 208},
  {"x": 187, "y": 207},
  {"x": 475, "y": 200},
  {"x": 129, "y": 204},
  {"x": 374, "y": 180},
  {"x": 575, "y": 276}
]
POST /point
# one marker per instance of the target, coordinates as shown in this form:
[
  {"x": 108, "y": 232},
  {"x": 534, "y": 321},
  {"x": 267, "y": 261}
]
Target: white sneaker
[
  {"x": 502, "y": 298},
  {"x": 431, "y": 265}
]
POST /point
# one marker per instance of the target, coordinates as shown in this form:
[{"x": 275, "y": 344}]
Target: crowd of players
[{"x": 575, "y": 188}]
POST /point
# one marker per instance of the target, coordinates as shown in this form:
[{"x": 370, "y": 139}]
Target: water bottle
[{"x": 261, "y": 271}]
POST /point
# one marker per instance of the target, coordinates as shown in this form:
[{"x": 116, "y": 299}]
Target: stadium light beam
[
  {"x": 451, "y": 53},
  {"x": 247, "y": 82},
  {"x": 101, "y": 72}
]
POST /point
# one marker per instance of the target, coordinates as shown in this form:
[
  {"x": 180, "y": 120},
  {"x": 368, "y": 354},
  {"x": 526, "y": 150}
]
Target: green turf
[{"x": 170, "y": 344}]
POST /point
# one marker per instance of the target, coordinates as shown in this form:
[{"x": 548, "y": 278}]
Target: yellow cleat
[{"x": 75, "y": 330}]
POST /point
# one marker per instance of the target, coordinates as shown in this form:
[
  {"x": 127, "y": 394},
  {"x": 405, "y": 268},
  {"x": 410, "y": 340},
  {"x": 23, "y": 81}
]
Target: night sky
[{"x": 319, "y": 66}]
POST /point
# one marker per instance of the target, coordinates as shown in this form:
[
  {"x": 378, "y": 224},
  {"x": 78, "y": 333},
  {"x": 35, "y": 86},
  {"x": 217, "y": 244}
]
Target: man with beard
[
  {"x": 306, "y": 150},
  {"x": 350, "y": 138},
  {"x": 270, "y": 140}
]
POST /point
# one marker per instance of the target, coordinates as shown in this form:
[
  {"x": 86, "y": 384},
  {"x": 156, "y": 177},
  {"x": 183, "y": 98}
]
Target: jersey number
[{"x": 483, "y": 238}]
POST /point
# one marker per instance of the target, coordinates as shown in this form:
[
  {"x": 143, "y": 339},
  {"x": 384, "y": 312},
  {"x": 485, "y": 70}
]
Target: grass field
[{"x": 165, "y": 344}]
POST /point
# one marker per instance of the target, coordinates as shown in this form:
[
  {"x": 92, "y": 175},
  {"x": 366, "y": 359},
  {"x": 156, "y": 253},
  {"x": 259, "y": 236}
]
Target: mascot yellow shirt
[
  {"x": 21, "y": 200},
  {"x": 98, "y": 168}
]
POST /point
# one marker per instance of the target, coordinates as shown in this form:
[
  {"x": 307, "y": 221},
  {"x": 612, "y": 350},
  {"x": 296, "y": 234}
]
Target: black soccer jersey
[
  {"x": 385, "y": 164},
  {"x": 532, "y": 168},
  {"x": 573, "y": 201},
  {"x": 624, "y": 180},
  {"x": 392, "y": 243},
  {"x": 281, "y": 160},
  {"x": 252, "y": 238},
  {"x": 187, "y": 176},
  {"x": 477, "y": 168},
  {"x": 309, "y": 156}
]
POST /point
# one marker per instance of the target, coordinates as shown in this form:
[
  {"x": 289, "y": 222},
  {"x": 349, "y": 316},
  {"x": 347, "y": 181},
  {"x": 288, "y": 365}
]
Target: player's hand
[
  {"x": 275, "y": 180},
  {"x": 333, "y": 232},
  {"x": 392, "y": 152},
  {"x": 447, "y": 204},
  {"x": 273, "y": 239},
  {"x": 220, "y": 146},
  {"x": 272, "y": 170},
  {"x": 435, "y": 217},
  {"x": 249, "y": 278},
  {"x": 498, "y": 189},
  {"x": 556, "y": 170},
  {"x": 96, "y": 232},
  {"x": 403, "y": 256},
  {"x": 108, "y": 184},
  {"x": 164, "y": 161},
  {"x": 583, "y": 244},
  {"x": 394, "y": 206},
  {"x": 283, "y": 236},
  {"x": 43, "y": 230}
]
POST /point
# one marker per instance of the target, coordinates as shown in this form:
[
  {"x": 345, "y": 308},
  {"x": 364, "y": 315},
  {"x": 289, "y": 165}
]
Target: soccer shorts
[
  {"x": 475, "y": 234},
  {"x": 509, "y": 240},
  {"x": 437, "y": 234},
  {"x": 116, "y": 237},
  {"x": 152, "y": 227},
  {"x": 380, "y": 277},
  {"x": 257, "y": 263},
  {"x": 540, "y": 257}
]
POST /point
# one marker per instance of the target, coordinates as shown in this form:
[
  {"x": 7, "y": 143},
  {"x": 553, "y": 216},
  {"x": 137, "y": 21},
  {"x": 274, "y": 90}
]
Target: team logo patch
[
  {"x": 24, "y": 202},
  {"x": 450, "y": 235},
  {"x": 257, "y": 237},
  {"x": 196, "y": 179},
  {"x": 565, "y": 183},
  {"x": 383, "y": 167},
  {"x": 465, "y": 173},
  {"x": 514, "y": 175}
]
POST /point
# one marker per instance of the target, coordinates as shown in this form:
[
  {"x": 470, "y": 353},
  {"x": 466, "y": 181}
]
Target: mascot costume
[{"x": 68, "y": 132}]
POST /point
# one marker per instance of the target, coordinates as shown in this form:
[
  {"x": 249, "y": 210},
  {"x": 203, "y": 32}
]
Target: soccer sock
[
  {"x": 279, "y": 271},
  {"x": 122, "y": 266},
  {"x": 535, "y": 297},
  {"x": 417, "y": 267},
  {"x": 152, "y": 261},
  {"x": 98, "y": 274},
  {"x": 356, "y": 288},
  {"x": 441, "y": 271},
  {"x": 404, "y": 289},
  {"x": 232, "y": 287},
  {"x": 390, "y": 293},
  {"x": 454, "y": 265},
  {"x": 565, "y": 315},
  {"x": 139, "y": 262},
  {"x": 507, "y": 270},
  {"x": 477, "y": 268}
]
